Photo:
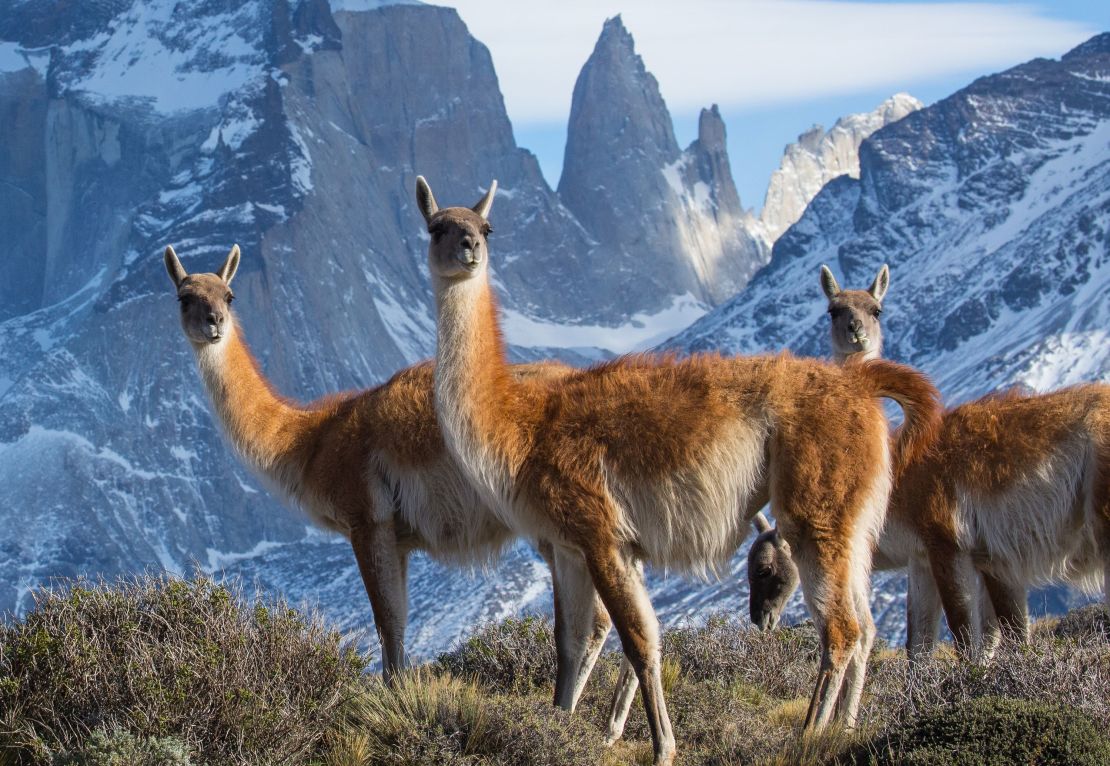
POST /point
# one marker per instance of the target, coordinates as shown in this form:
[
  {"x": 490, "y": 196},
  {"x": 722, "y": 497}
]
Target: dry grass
[
  {"x": 168, "y": 673},
  {"x": 235, "y": 680}
]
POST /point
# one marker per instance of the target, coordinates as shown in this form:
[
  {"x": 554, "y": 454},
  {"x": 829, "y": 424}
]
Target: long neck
[
  {"x": 478, "y": 402},
  {"x": 266, "y": 429},
  {"x": 874, "y": 352}
]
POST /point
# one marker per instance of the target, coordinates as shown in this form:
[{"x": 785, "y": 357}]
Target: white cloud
[{"x": 743, "y": 53}]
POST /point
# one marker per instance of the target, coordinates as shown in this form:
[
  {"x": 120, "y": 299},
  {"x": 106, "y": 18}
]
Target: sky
[{"x": 775, "y": 67}]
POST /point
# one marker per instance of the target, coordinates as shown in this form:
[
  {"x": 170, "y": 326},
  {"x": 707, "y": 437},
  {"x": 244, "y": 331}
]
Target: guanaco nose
[
  {"x": 855, "y": 325},
  {"x": 469, "y": 246}
]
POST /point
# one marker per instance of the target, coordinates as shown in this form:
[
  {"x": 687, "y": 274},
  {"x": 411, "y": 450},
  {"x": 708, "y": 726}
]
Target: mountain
[
  {"x": 295, "y": 128},
  {"x": 641, "y": 197},
  {"x": 818, "y": 157},
  {"x": 992, "y": 208}
]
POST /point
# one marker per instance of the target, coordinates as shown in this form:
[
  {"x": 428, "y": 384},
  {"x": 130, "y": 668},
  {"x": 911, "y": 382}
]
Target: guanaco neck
[
  {"x": 478, "y": 402},
  {"x": 875, "y": 352},
  {"x": 264, "y": 428}
]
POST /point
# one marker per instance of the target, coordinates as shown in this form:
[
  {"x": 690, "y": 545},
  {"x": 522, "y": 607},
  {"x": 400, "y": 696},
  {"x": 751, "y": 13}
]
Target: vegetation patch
[
  {"x": 428, "y": 719},
  {"x": 511, "y": 656},
  {"x": 157, "y": 657},
  {"x": 989, "y": 731}
]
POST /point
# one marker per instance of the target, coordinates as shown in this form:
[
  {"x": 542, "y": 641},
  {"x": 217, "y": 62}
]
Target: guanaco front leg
[
  {"x": 581, "y": 625},
  {"x": 1006, "y": 607},
  {"x": 384, "y": 573}
]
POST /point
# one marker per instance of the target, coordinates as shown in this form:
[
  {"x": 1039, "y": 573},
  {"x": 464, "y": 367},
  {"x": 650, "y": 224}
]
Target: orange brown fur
[
  {"x": 1015, "y": 486},
  {"x": 369, "y": 464},
  {"x": 668, "y": 460}
]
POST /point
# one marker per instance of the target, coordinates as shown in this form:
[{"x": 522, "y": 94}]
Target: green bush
[
  {"x": 234, "y": 681},
  {"x": 511, "y": 656},
  {"x": 121, "y": 748},
  {"x": 989, "y": 731}
]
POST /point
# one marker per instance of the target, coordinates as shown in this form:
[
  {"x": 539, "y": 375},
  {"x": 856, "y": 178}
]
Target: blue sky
[{"x": 775, "y": 67}]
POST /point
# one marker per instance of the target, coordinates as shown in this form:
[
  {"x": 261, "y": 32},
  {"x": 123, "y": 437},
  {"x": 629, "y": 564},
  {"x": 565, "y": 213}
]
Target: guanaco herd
[{"x": 667, "y": 460}]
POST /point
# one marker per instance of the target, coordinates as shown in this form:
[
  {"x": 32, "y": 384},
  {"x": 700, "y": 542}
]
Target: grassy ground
[{"x": 162, "y": 672}]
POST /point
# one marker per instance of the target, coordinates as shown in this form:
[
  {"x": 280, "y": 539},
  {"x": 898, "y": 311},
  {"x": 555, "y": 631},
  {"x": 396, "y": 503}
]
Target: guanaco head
[
  {"x": 772, "y": 575},
  {"x": 205, "y": 299},
  {"x": 855, "y": 316},
  {"x": 458, "y": 249}
]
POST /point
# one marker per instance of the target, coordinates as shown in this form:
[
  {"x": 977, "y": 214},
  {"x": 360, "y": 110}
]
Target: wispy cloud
[{"x": 744, "y": 53}]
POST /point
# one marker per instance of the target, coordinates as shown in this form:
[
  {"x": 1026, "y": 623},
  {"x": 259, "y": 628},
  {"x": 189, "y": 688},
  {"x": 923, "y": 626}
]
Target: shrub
[
  {"x": 990, "y": 731},
  {"x": 427, "y": 718},
  {"x": 235, "y": 681},
  {"x": 512, "y": 656},
  {"x": 1070, "y": 672},
  {"x": 1089, "y": 621},
  {"x": 780, "y": 662},
  {"x": 121, "y": 748}
]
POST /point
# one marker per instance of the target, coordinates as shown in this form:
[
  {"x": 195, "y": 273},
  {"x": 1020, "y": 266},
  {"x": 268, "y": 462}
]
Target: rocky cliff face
[
  {"x": 818, "y": 157},
  {"x": 670, "y": 216}
]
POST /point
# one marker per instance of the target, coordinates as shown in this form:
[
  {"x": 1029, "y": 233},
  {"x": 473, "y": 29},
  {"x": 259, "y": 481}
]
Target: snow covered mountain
[
  {"x": 295, "y": 128},
  {"x": 992, "y": 208},
  {"x": 818, "y": 157}
]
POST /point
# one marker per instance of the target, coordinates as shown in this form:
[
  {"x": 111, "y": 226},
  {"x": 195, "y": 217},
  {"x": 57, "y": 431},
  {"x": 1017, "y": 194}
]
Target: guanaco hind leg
[
  {"x": 847, "y": 707},
  {"x": 923, "y": 609},
  {"x": 625, "y": 690},
  {"x": 624, "y": 595},
  {"x": 1006, "y": 608},
  {"x": 957, "y": 587},
  {"x": 831, "y": 603}
]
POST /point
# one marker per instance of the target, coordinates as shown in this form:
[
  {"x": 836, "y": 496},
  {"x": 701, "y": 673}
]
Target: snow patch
[
  {"x": 164, "y": 53},
  {"x": 641, "y": 332},
  {"x": 218, "y": 560},
  {"x": 411, "y": 328}
]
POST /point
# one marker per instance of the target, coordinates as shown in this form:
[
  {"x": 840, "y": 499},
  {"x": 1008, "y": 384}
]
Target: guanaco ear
[
  {"x": 173, "y": 267},
  {"x": 484, "y": 204},
  {"x": 828, "y": 283},
  {"x": 761, "y": 524},
  {"x": 231, "y": 265},
  {"x": 881, "y": 284},
  {"x": 424, "y": 199}
]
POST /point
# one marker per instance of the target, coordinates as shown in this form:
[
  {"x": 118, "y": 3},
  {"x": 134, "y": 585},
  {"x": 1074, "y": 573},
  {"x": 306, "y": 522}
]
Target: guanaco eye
[
  {"x": 229, "y": 298},
  {"x": 875, "y": 312}
]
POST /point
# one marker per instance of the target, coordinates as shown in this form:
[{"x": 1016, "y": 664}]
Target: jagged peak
[
  {"x": 711, "y": 127},
  {"x": 614, "y": 29}
]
